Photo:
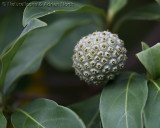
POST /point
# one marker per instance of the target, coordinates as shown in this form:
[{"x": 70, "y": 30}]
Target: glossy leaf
[
  {"x": 146, "y": 12},
  {"x": 3, "y": 121},
  {"x": 88, "y": 110},
  {"x": 40, "y": 11},
  {"x": 7, "y": 57},
  {"x": 150, "y": 60},
  {"x": 122, "y": 101},
  {"x": 36, "y": 46},
  {"x": 151, "y": 111},
  {"x": 44, "y": 113},
  {"x": 61, "y": 55},
  {"x": 115, "y": 6},
  {"x": 144, "y": 46}
]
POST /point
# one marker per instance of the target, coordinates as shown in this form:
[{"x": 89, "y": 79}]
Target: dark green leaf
[
  {"x": 122, "y": 102},
  {"x": 10, "y": 27},
  {"x": 36, "y": 45},
  {"x": 40, "y": 11},
  {"x": 115, "y": 6},
  {"x": 144, "y": 46},
  {"x": 151, "y": 111},
  {"x": 3, "y": 121},
  {"x": 61, "y": 55},
  {"x": 88, "y": 110},
  {"x": 44, "y": 113},
  {"x": 150, "y": 59},
  {"x": 146, "y": 12},
  {"x": 7, "y": 57}
]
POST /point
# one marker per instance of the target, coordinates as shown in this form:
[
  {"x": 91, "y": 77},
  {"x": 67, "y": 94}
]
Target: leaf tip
[{"x": 144, "y": 46}]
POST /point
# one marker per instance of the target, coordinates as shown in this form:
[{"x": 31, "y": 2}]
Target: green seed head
[{"x": 98, "y": 57}]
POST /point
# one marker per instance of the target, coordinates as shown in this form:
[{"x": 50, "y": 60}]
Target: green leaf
[
  {"x": 158, "y": 1},
  {"x": 7, "y": 57},
  {"x": 115, "y": 6},
  {"x": 35, "y": 47},
  {"x": 61, "y": 55},
  {"x": 3, "y": 121},
  {"x": 9, "y": 30},
  {"x": 44, "y": 113},
  {"x": 88, "y": 110},
  {"x": 150, "y": 60},
  {"x": 40, "y": 11},
  {"x": 123, "y": 100},
  {"x": 144, "y": 46},
  {"x": 151, "y": 111},
  {"x": 146, "y": 12}
]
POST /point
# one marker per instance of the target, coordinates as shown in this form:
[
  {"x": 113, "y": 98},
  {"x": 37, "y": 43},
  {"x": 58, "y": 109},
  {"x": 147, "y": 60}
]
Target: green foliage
[
  {"x": 114, "y": 7},
  {"x": 130, "y": 101},
  {"x": 90, "y": 113},
  {"x": 123, "y": 101},
  {"x": 7, "y": 57},
  {"x": 8, "y": 27},
  {"x": 50, "y": 36},
  {"x": 44, "y": 113},
  {"x": 150, "y": 59},
  {"x": 3, "y": 121},
  {"x": 158, "y": 1},
  {"x": 60, "y": 55},
  {"x": 146, "y": 12},
  {"x": 144, "y": 46},
  {"x": 32, "y": 12},
  {"x": 151, "y": 111}
]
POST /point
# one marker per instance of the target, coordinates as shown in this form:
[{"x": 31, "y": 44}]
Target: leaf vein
[
  {"x": 126, "y": 99},
  {"x": 25, "y": 113}
]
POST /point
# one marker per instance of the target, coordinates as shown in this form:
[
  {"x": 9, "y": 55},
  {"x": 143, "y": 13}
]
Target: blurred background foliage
[{"x": 55, "y": 78}]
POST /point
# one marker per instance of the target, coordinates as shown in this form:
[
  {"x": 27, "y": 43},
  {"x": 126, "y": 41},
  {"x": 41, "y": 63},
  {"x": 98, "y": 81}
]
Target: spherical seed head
[{"x": 98, "y": 57}]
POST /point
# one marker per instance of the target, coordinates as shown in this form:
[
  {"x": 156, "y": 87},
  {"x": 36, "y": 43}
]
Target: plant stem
[
  {"x": 7, "y": 110},
  {"x": 149, "y": 77},
  {"x": 2, "y": 100},
  {"x": 109, "y": 19}
]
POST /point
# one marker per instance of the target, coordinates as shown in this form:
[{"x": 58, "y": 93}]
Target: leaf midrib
[
  {"x": 34, "y": 120},
  {"x": 155, "y": 84},
  {"x": 126, "y": 98}
]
